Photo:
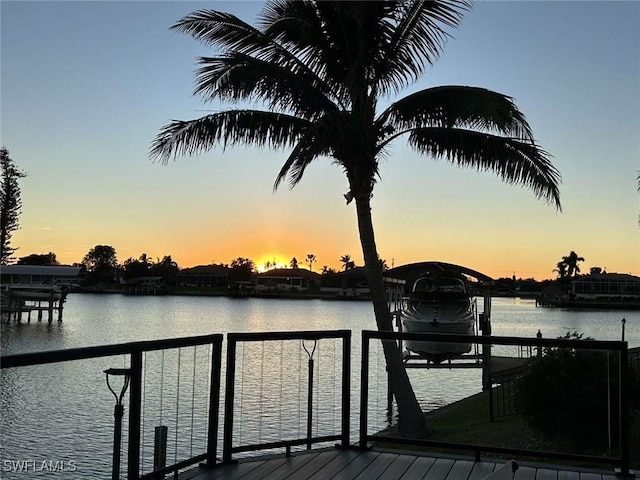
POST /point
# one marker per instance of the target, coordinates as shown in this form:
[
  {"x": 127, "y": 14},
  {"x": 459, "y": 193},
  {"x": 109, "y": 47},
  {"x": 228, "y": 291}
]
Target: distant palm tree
[
  {"x": 327, "y": 269},
  {"x": 561, "y": 268},
  {"x": 323, "y": 72},
  {"x": 571, "y": 262},
  {"x": 346, "y": 262},
  {"x": 310, "y": 259}
]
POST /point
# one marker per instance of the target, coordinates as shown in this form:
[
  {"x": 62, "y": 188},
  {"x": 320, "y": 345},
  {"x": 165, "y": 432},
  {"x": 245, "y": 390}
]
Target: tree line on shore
[{"x": 100, "y": 266}]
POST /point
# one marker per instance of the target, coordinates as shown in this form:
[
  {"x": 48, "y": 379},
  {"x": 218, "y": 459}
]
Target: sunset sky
[{"x": 86, "y": 86}]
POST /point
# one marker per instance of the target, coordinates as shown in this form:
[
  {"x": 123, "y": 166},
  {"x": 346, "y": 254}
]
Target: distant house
[
  {"x": 353, "y": 283},
  {"x": 286, "y": 279},
  {"x": 610, "y": 286},
  {"x": 40, "y": 274},
  {"x": 204, "y": 276},
  {"x": 145, "y": 286},
  {"x": 350, "y": 283}
]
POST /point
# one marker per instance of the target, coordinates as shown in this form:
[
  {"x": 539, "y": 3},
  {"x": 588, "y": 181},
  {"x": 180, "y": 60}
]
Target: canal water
[{"x": 57, "y": 420}]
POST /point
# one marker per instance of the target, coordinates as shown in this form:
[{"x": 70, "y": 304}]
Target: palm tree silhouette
[
  {"x": 310, "y": 259},
  {"x": 571, "y": 263},
  {"x": 347, "y": 264},
  {"x": 321, "y": 71}
]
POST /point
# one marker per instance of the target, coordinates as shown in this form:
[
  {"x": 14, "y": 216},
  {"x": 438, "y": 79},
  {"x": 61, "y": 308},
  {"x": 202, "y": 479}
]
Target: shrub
[{"x": 564, "y": 394}]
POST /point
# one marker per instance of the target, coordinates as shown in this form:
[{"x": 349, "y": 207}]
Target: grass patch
[{"x": 467, "y": 421}]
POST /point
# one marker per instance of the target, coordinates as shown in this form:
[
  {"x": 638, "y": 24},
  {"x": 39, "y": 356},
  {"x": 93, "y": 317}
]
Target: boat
[{"x": 439, "y": 302}]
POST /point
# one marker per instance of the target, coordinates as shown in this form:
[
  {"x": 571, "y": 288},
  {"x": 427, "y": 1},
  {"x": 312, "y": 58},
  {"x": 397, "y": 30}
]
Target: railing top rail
[
  {"x": 497, "y": 340},
  {"x": 53, "y": 356},
  {"x": 288, "y": 335}
]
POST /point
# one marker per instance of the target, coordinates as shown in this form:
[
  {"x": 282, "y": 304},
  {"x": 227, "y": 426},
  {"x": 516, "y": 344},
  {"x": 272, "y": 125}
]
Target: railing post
[
  {"x": 346, "y": 389},
  {"x": 135, "y": 408},
  {"x": 364, "y": 389},
  {"x": 214, "y": 402},
  {"x": 227, "y": 441},
  {"x": 624, "y": 410},
  {"x": 310, "y": 403}
]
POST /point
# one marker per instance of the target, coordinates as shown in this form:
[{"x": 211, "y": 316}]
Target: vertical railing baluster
[
  {"x": 214, "y": 402},
  {"x": 135, "y": 410},
  {"x": 624, "y": 409},
  {"x": 346, "y": 388},
  {"x": 364, "y": 389},
  {"x": 227, "y": 441}
]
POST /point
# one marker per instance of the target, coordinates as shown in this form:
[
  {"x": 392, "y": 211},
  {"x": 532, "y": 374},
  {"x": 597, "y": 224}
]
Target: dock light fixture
[{"x": 118, "y": 413}]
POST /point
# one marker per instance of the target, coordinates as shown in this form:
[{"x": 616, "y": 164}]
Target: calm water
[{"x": 60, "y": 416}]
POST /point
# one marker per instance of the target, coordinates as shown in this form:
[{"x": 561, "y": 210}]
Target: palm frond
[
  {"x": 223, "y": 30},
  {"x": 230, "y": 127},
  {"x": 415, "y": 37},
  {"x": 235, "y": 77},
  {"x": 460, "y": 107},
  {"x": 294, "y": 167},
  {"x": 235, "y": 36},
  {"x": 303, "y": 29},
  {"x": 515, "y": 161}
]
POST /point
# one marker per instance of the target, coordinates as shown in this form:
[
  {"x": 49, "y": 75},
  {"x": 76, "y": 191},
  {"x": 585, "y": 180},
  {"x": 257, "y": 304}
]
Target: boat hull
[{"x": 438, "y": 351}]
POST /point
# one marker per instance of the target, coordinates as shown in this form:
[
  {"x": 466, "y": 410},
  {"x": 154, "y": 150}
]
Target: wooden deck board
[
  {"x": 314, "y": 466},
  {"x": 568, "y": 475},
  {"x": 525, "y": 473},
  {"x": 440, "y": 469},
  {"x": 546, "y": 474},
  {"x": 398, "y": 468},
  {"x": 378, "y": 466},
  {"x": 481, "y": 470},
  {"x": 375, "y": 465},
  {"x": 354, "y": 468},
  {"x": 335, "y": 465},
  {"x": 461, "y": 470},
  {"x": 419, "y": 468}
]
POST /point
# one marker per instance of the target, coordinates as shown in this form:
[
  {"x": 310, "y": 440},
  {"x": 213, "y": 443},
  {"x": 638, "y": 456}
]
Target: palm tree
[
  {"x": 310, "y": 259},
  {"x": 321, "y": 71},
  {"x": 561, "y": 268},
  {"x": 571, "y": 262},
  {"x": 347, "y": 264}
]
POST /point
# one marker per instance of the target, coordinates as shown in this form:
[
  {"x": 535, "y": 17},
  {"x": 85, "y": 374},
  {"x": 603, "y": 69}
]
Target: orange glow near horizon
[{"x": 273, "y": 260}]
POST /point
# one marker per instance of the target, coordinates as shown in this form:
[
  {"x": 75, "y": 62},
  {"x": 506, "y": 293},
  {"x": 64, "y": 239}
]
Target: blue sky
[{"x": 85, "y": 87}]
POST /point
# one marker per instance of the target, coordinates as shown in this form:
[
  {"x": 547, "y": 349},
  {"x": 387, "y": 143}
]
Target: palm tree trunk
[{"x": 412, "y": 422}]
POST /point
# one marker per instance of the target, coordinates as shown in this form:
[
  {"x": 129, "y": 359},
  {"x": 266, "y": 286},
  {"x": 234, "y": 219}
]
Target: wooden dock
[
  {"x": 334, "y": 464},
  {"x": 15, "y": 303}
]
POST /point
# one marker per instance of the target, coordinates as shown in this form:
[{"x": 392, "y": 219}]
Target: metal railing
[
  {"x": 621, "y": 461},
  {"x": 306, "y": 438},
  {"x": 240, "y": 362},
  {"x": 134, "y": 373}
]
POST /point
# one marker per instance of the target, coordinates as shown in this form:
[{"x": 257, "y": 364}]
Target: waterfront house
[
  {"x": 606, "y": 286},
  {"x": 287, "y": 280},
  {"x": 62, "y": 275},
  {"x": 350, "y": 283},
  {"x": 204, "y": 276}
]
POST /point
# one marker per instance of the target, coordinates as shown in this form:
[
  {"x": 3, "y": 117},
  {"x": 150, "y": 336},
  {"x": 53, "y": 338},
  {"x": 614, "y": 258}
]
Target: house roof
[
  {"x": 618, "y": 277},
  {"x": 352, "y": 272},
  {"x": 42, "y": 270},
  {"x": 290, "y": 272},
  {"x": 205, "y": 270}
]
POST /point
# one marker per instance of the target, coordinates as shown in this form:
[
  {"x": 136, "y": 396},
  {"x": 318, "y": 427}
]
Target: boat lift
[{"x": 480, "y": 357}]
